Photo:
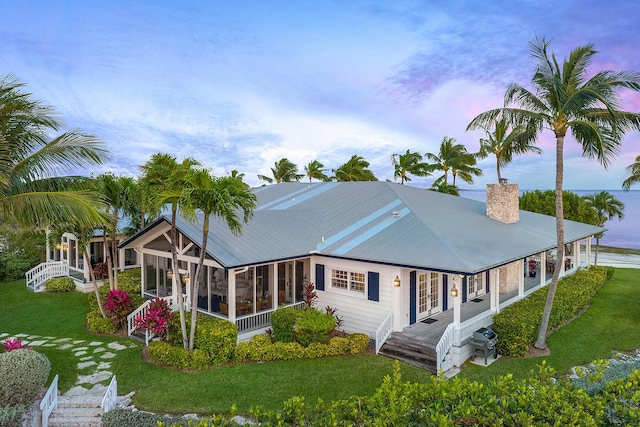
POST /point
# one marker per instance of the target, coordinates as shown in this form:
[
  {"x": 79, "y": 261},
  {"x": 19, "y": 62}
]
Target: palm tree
[
  {"x": 464, "y": 167},
  {"x": 441, "y": 187},
  {"x": 33, "y": 190},
  {"x": 505, "y": 142},
  {"x": 166, "y": 179},
  {"x": 607, "y": 207},
  {"x": 449, "y": 155},
  {"x": 355, "y": 169},
  {"x": 283, "y": 170},
  {"x": 207, "y": 196},
  {"x": 566, "y": 100},
  {"x": 408, "y": 163},
  {"x": 634, "y": 174},
  {"x": 315, "y": 170}
]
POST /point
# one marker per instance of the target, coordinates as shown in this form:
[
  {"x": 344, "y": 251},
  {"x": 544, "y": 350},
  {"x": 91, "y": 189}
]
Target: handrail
[
  {"x": 110, "y": 399},
  {"x": 383, "y": 331},
  {"x": 142, "y": 311},
  {"x": 44, "y": 271},
  {"x": 50, "y": 401},
  {"x": 445, "y": 345}
]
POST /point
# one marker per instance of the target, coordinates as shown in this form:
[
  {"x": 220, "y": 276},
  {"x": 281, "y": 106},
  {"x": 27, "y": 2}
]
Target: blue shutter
[
  {"x": 445, "y": 292},
  {"x": 320, "y": 277},
  {"x": 374, "y": 286},
  {"x": 412, "y": 297},
  {"x": 464, "y": 289},
  {"x": 486, "y": 283}
]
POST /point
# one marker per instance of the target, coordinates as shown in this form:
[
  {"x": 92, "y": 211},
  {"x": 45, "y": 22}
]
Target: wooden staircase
[{"x": 410, "y": 350}]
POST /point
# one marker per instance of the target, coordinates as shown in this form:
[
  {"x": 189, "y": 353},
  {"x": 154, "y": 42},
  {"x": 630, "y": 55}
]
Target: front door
[
  {"x": 428, "y": 294},
  {"x": 475, "y": 286}
]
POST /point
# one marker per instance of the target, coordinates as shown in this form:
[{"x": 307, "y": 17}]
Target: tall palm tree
[
  {"x": 607, "y": 207},
  {"x": 464, "y": 166},
  {"x": 505, "y": 142},
  {"x": 634, "y": 174},
  {"x": 566, "y": 100},
  {"x": 449, "y": 155},
  {"x": 315, "y": 170},
  {"x": 283, "y": 170},
  {"x": 408, "y": 163},
  {"x": 355, "y": 169},
  {"x": 166, "y": 179},
  {"x": 33, "y": 188},
  {"x": 207, "y": 196}
]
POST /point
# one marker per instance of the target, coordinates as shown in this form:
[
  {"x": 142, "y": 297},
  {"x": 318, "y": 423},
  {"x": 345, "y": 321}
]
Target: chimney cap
[{"x": 503, "y": 181}]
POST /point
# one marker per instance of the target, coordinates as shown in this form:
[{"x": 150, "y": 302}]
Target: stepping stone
[
  {"x": 49, "y": 345},
  {"x": 103, "y": 366},
  {"x": 108, "y": 356},
  {"x": 80, "y": 348},
  {"x": 22, "y": 335},
  {"x": 80, "y": 353},
  {"x": 36, "y": 343},
  {"x": 86, "y": 358},
  {"x": 94, "y": 378},
  {"x": 95, "y": 343},
  {"x": 99, "y": 349},
  {"x": 4, "y": 334},
  {"x": 83, "y": 365},
  {"x": 49, "y": 338},
  {"x": 116, "y": 346},
  {"x": 63, "y": 339},
  {"x": 65, "y": 347}
]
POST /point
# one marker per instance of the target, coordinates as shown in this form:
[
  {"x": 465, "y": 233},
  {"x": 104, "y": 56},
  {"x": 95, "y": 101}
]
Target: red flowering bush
[
  {"x": 13, "y": 344},
  {"x": 156, "y": 319},
  {"x": 118, "y": 305},
  {"x": 101, "y": 271}
]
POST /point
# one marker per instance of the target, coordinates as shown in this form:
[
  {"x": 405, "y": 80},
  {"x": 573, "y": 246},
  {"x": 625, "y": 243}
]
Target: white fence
[
  {"x": 383, "y": 331},
  {"x": 49, "y": 401},
  {"x": 142, "y": 311},
  {"x": 444, "y": 346},
  {"x": 110, "y": 399},
  {"x": 45, "y": 271}
]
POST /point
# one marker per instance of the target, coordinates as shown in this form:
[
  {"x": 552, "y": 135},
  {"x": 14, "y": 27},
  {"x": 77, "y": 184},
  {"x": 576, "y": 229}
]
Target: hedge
[
  {"x": 11, "y": 416},
  {"x": 121, "y": 417},
  {"x": 128, "y": 280},
  {"x": 60, "y": 284},
  {"x": 517, "y": 325},
  {"x": 99, "y": 325},
  {"x": 23, "y": 375}
]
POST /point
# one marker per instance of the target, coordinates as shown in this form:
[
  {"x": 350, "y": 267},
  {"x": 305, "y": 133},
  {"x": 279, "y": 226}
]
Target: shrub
[
  {"x": 313, "y": 326},
  {"x": 358, "y": 343},
  {"x": 118, "y": 305},
  {"x": 156, "y": 319},
  {"x": 101, "y": 271},
  {"x": 167, "y": 354},
  {"x": 98, "y": 324},
  {"x": 309, "y": 295},
  {"x": 11, "y": 416},
  {"x": 23, "y": 374},
  {"x": 60, "y": 284},
  {"x": 11, "y": 344},
  {"x": 338, "y": 346},
  {"x": 131, "y": 281},
  {"x": 282, "y": 323},
  {"x": 120, "y": 417}
]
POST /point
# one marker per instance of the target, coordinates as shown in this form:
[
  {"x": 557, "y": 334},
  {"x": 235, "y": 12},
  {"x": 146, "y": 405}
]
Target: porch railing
[
  {"x": 383, "y": 331},
  {"x": 45, "y": 271},
  {"x": 445, "y": 345},
  {"x": 110, "y": 399},
  {"x": 142, "y": 311},
  {"x": 261, "y": 319},
  {"x": 50, "y": 401},
  {"x": 468, "y": 327}
]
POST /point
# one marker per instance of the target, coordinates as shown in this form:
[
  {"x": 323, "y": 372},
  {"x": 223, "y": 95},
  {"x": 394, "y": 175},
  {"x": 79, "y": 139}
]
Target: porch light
[
  {"x": 396, "y": 282},
  {"x": 170, "y": 274},
  {"x": 454, "y": 291},
  {"x": 186, "y": 277}
]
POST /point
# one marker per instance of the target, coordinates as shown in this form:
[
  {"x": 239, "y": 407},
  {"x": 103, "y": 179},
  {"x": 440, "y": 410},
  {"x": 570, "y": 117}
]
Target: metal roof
[{"x": 379, "y": 222}]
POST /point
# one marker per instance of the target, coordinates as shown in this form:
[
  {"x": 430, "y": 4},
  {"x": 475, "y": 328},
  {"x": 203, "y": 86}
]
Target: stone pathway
[{"x": 80, "y": 405}]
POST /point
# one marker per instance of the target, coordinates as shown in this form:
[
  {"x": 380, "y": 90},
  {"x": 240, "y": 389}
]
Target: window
[{"x": 348, "y": 280}]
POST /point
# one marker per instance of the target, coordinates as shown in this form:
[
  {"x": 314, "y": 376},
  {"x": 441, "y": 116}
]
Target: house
[{"x": 391, "y": 259}]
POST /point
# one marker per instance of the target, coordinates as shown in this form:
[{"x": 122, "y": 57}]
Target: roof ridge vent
[{"x": 395, "y": 214}]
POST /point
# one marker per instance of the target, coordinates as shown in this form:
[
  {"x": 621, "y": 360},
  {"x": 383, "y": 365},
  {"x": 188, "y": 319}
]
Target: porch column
[
  {"x": 543, "y": 267},
  {"x": 274, "y": 283},
  {"x": 494, "y": 291},
  {"x": 521, "y": 280},
  {"x": 397, "y": 293},
  {"x": 231, "y": 296},
  {"x": 457, "y": 301},
  {"x": 86, "y": 266},
  {"x": 588, "y": 249}
]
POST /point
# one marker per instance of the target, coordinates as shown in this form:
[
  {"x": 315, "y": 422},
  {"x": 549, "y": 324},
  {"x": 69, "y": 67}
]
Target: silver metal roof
[{"x": 379, "y": 222}]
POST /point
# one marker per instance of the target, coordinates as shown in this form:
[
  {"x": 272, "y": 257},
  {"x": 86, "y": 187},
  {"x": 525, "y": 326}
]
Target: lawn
[{"x": 611, "y": 324}]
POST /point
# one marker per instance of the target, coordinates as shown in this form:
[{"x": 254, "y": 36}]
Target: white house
[{"x": 389, "y": 257}]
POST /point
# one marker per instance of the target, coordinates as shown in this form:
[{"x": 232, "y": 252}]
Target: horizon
[{"x": 241, "y": 85}]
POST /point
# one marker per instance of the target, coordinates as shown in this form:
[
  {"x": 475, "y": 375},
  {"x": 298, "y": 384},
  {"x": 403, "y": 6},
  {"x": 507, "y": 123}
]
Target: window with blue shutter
[
  {"x": 374, "y": 286},
  {"x": 412, "y": 297},
  {"x": 320, "y": 277}
]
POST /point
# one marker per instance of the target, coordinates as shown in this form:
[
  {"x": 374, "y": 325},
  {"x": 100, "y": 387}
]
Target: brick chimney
[{"x": 503, "y": 202}]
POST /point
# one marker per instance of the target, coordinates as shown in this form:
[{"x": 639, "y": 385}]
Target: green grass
[
  {"x": 611, "y": 324},
  {"x": 614, "y": 250}
]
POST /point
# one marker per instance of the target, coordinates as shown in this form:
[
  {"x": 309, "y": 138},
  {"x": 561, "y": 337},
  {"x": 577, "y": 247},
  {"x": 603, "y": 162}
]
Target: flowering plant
[
  {"x": 13, "y": 344},
  {"x": 118, "y": 304},
  {"x": 101, "y": 270},
  {"x": 156, "y": 319}
]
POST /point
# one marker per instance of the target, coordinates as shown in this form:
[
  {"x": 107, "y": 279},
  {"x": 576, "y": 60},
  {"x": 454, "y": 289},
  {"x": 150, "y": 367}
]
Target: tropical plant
[
  {"x": 32, "y": 188},
  {"x": 283, "y": 170},
  {"x": 575, "y": 207},
  {"x": 355, "y": 169},
  {"x": 607, "y": 207},
  {"x": 441, "y": 187},
  {"x": 408, "y": 163},
  {"x": 450, "y": 157},
  {"x": 164, "y": 180},
  {"x": 565, "y": 99},
  {"x": 118, "y": 305},
  {"x": 156, "y": 319},
  {"x": 505, "y": 142},
  {"x": 634, "y": 174},
  {"x": 315, "y": 170},
  {"x": 11, "y": 344},
  {"x": 223, "y": 198}
]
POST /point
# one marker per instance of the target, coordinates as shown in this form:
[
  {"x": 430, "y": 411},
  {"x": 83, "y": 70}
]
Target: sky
[{"x": 241, "y": 84}]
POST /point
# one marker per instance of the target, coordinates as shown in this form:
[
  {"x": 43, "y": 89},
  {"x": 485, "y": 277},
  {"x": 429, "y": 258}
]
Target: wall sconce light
[
  {"x": 59, "y": 246},
  {"x": 186, "y": 277},
  {"x": 396, "y": 282},
  {"x": 65, "y": 246},
  {"x": 454, "y": 291},
  {"x": 170, "y": 274}
]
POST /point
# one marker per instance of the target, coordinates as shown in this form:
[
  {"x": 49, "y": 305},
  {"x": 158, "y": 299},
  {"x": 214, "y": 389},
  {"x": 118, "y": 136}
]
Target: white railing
[
  {"x": 45, "y": 271},
  {"x": 49, "y": 401},
  {"x": 445, "y": 345},
  {"x": 383, "y": 331},
  {"x": 468, "y": 327},
  {"x": 261, "y": 319},
  {"x": 142, "y": 311},
  {"x": 110, "y": 399}
]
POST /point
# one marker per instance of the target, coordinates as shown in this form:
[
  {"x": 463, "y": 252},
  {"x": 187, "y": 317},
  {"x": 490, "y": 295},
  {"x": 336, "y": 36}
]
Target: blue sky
[{"x": 241, "y": 84}]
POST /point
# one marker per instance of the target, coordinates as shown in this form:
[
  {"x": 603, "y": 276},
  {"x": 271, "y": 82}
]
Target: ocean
[{"x": 623, "y": 233}]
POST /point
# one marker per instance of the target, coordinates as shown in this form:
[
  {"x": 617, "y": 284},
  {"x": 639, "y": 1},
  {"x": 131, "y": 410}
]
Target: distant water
[{"x": 621, "y": 234}]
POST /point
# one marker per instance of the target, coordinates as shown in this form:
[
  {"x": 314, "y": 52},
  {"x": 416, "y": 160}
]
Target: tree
[
  {"x": 166, "y": 179},
  {"x": 607, "y": 207},
  {"x": 355, "y": 169},
  {"x": 634, "y": 174},
  {"x": 408, "y": 163},
  {"x": 315, "y": 170},
  {"x": 575, "y": 207},
  {"x": 207, "y": 196},
  {"x": 464, "y": 167},
  {"x": 33, "y": 188},
  {"x": 283, "y": 171},
  {"x": 450, "y": 155},
  {"x": 441, "y": 187},
  {"x": 566, "y": 100},
  {"x": 505, "y": 142}
]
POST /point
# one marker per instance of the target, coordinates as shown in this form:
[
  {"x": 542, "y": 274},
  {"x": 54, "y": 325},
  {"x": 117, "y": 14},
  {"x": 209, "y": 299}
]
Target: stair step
[
  {"x": 418, "y": 356},
  {"x": 78, "y": 403},
  {"x": 80, "y": 421},
  {"x": 410, "y": 345}
]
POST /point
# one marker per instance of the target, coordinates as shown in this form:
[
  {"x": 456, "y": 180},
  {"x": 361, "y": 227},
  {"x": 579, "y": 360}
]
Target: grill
[{"x": 484, "y": 342}]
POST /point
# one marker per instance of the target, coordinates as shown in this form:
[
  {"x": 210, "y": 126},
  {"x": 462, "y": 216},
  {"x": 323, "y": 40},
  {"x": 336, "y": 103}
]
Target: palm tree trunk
[
  {"x": 95, "y": 284},
  {"x": 544, "y": 323},
  {"x": 107, "y": 254},
  {"x": 176, "y": 276},
  {"x": 197, "y": 279},
  {"x": 595, "y": 261},
  {"x": 114, "y": 245},
  {"x": 498, "y": 171}
]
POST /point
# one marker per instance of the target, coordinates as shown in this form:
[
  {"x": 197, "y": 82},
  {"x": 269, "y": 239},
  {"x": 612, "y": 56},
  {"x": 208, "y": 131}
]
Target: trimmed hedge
[
  {"x": 167, "y": 354},
  {"x": 283, "y": 321},
  {"x": 23, "y": 374},
  {"x": 99, "y": 325},
  {"x": 60, "y": 284},
  {"x": 261, "y": 349},
  {"x": 313, "y": 326},
  {"x": 11, "y": 416},
  {"x": 517, "y": 325}
]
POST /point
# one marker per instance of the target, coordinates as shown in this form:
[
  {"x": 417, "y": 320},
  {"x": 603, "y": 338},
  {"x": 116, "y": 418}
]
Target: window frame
[{"x": 350, "y": 289}]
